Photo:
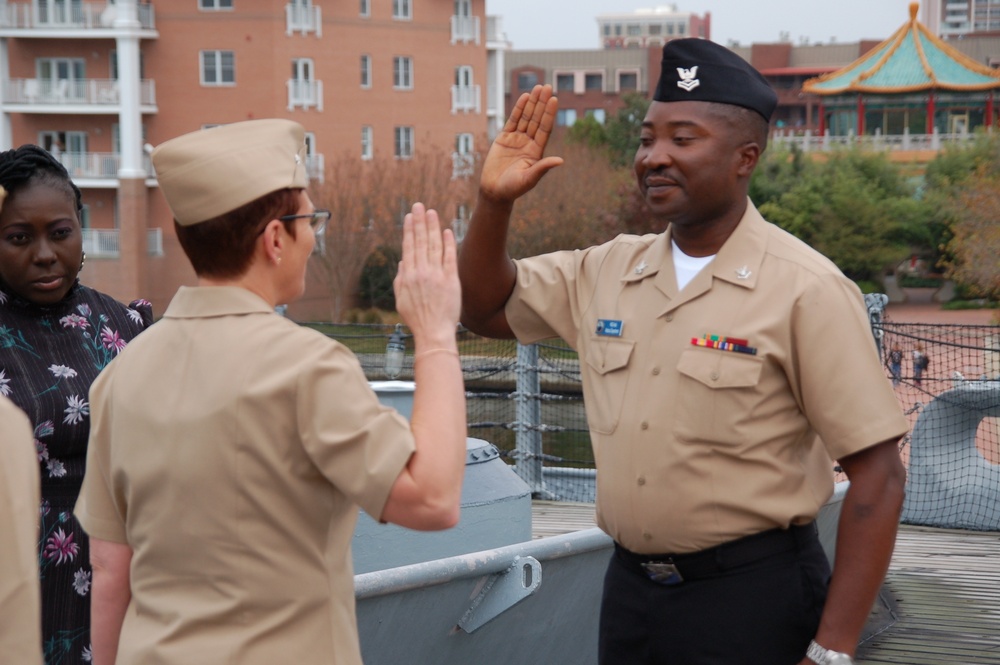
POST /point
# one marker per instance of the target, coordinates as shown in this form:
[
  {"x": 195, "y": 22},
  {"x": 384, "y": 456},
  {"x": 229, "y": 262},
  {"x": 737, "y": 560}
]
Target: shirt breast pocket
[
  {"x": 718, "y": 395},
  {"x": 605, "y": 376}
]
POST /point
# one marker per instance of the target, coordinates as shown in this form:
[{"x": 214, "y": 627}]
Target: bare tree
[{"x": 368, "y": 200}]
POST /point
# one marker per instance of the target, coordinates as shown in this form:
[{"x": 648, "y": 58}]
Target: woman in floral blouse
[{"x": 56, "y": 335}]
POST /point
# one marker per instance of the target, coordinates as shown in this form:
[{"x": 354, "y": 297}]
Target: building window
[
  {"x": 670, "y": 28},
  {"x": 566, "y": 117},
  {"x": 218, "y": 68},
  {"x": 681, "y": 28},
  {"x": 303, "y": 90},
  {"x": 597, "y": 114},
  {"x": 628, "y": 81},
  {"x": 564, "y": 82},
  {"x": 402, "y": 9},
  {"x": 367, "y": 147},
  {"x": 593, "y": 82},
  {"x": 61, "y": 79},
  {"x": 526, "y": 81},
  {"x": 618, "y": 29},
  {"x": 366, "y": 8},
  {"x": 464, "y": 160},
  {"x": 655, "y": 29},
  {"x": 215, "y": 5},
  {"x": 607, "y": 29},
  {"x": 366, "y": 71},
  {"x": 404, "y": 142},
  {"x": 633, "y": 30},
  {"x": 402, "y": 73}
]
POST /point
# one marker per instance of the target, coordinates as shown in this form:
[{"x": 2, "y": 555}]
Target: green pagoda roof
[{"x": 912, "y": 59}]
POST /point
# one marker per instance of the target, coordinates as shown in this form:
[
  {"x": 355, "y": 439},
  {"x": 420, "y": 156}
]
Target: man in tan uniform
[
  {"x": 229, "y": 451},
  {"x": 20, "y": 495},
  {"x": 725, "y": 364}
]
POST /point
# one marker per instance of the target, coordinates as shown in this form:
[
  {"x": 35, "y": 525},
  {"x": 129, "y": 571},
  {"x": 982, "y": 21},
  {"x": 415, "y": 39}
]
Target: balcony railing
[
  {"x": 463, "y": 164},
  {"x": 106, "y": 243},
  {"x": 494, "y": 29},
  {"x": 809, "y": 142},
  {"x": 464, "y": 29},
  {"x": 465, "y": 98},
  {"x": 303, "y": 19},
  {"x": 52, "y": 92},
  {"x": 102, "y": 165},
  {"x": 315, "y": 167},
  {"x": 305, "y": 94},
  {"x": 68, "y": 16}
]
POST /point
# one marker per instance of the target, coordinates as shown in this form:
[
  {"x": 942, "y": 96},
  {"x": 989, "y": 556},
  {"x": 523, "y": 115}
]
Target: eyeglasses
[{"x": 317, "y": 220}]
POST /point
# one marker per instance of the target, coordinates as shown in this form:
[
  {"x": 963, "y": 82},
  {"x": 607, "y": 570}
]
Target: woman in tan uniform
[
  {"x": 230, "y": 451},
  {"x": 20, "y": 494}
]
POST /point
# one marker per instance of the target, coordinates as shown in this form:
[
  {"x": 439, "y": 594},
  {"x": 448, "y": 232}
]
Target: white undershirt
[{"x": 686, "y": 267}]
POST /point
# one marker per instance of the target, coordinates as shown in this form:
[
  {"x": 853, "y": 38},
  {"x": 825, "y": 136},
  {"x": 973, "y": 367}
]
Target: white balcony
[
  {"x": 303, "y": 19},
  {"x": 84, "y": 166},
  {"x": 106, "y": 243},
  {"x": 464, "y": 29},
  {"x": 66, "y": 96},
  {"x": 316, "y": 167},
  {"x": 53, "y": 18},
  {"x": 463, "y": 164},
  {"x": 465, "y": 98},
  {"x": 305, "y": 94}
]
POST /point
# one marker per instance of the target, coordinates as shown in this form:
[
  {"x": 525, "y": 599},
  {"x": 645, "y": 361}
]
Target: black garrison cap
[{"x": 702, "y": 71}]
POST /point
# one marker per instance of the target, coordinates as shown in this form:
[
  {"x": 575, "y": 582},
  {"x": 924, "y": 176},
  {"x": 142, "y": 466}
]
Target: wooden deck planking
[{"x": 945, "y": 585}]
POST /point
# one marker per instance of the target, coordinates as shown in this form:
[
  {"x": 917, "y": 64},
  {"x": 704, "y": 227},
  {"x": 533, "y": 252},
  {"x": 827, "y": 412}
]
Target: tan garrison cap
[{"x": 210, "y": 172}]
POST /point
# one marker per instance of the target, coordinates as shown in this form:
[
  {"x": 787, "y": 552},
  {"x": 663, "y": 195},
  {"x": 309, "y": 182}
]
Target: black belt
[{"x": 670, "y": 569}]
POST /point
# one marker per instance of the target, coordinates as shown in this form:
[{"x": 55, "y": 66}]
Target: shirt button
[
  {"x": 640, "y": 481},
  {"x": 647, "y": 535},
  {"x": 643, "y": 425},
  {"x": 656, "y": 371},
  {"x": 669, "y": 318},
  {"x": 714, "y": 376}
]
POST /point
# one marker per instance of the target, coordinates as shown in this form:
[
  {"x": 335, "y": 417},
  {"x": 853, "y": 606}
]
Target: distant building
[
  {"x": 961, "y": 18},
  {"x": 96, "y": 82},
  {"x": 587, "y": 82},
  {"x": 651, "y": 28}
]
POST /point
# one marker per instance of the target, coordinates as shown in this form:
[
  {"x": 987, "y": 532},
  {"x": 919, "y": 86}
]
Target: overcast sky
[{"x": 571, "y": 24}]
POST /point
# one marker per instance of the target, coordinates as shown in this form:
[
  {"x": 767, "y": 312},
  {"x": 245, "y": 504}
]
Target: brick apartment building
[{"x": 97, "y": 83}]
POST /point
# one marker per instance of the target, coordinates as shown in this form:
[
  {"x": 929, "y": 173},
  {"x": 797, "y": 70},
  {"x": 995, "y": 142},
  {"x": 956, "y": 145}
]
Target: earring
[{"x": 83, "y": 260}]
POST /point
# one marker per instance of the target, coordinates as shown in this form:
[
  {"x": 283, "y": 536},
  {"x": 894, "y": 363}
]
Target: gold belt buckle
[{"x": 662, "y": 572}]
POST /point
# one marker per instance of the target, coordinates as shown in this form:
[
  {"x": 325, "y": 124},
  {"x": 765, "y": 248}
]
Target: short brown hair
[{"x": 222, "y": 247}]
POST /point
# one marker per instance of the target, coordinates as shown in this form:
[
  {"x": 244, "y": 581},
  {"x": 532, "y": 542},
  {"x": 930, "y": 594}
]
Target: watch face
[{"x": 840, "y": 659}]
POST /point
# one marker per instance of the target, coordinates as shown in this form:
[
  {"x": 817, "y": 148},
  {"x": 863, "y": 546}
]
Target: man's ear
[{"x": 748, "y": 156}]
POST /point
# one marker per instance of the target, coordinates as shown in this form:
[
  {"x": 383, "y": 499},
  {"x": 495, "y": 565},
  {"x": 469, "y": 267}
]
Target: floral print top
[{"x": 49, "y": 356}]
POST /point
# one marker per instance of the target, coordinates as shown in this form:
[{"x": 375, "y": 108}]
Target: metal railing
[
  {"x": 303, "y": 19},
  {"x": 82, "y": 165},
  {"x": 465, "y": 98},
  {"x": 106, "y": 243},
  {"x": 808, "y": 141},
  {"x": 464, "y": 29},
  {"x": 62, "y": 92},
  {"x": 71, "y": 16},
  {"x": 305, "y": 94}
]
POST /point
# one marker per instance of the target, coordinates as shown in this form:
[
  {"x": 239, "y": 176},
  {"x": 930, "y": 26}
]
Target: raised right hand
[{"x": 515, "y": 163}]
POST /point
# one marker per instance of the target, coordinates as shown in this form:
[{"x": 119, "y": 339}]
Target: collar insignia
[
  {"x": 688, "y": 81},
  {"x": 639, "y": 269},
  {"x": 743, "y": 273}
]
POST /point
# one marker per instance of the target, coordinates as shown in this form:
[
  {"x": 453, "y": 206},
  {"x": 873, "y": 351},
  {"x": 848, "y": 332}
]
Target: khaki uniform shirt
[
  {"x": 697, "y": 446},
  {"x": 229, "y": 449},
  {"x": 20, "y": 496}
]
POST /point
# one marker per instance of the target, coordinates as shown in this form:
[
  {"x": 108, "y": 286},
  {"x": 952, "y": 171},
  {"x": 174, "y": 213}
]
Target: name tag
[{"x": 609, "y": 327}]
